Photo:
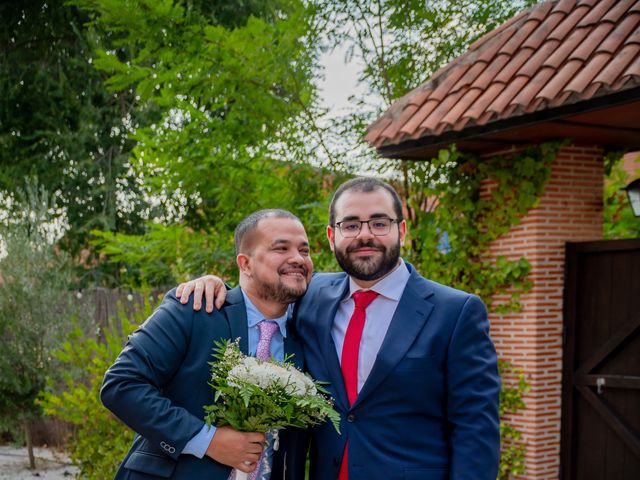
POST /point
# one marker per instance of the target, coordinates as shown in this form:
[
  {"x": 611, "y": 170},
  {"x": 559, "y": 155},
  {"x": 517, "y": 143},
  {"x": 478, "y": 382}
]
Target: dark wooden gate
[{"x": 601, "y": 365}]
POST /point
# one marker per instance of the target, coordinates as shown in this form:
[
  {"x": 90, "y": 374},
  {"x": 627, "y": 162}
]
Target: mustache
[
  {"x": 295, "y": 269},
  {"x": 367, "y": 244}
]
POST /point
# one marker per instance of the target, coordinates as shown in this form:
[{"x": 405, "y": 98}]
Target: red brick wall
[{"x": 569, "y": 210}]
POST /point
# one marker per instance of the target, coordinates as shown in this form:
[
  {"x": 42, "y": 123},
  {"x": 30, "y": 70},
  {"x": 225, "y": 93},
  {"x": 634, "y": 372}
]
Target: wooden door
[{"x": 601, "y": 365}]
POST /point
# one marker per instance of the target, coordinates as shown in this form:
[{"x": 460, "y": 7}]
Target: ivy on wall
[{"x": 457, "y": 205}]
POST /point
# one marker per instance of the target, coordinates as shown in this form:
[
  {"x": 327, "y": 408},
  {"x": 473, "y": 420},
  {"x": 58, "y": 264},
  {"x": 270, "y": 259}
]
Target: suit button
[
  {"x": 351, "y": 418},
  {"x": 335, "y": 462}
]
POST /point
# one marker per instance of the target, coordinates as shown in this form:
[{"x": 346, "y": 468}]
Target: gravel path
[{"x": 50, "y": 464}]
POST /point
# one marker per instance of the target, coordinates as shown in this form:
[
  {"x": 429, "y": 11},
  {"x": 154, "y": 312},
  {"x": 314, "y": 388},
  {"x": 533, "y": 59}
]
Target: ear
[
  {"x": 244, "y": 264},
  {"x": 402, "y": 230},
  {"x": 331, "y": 232}
]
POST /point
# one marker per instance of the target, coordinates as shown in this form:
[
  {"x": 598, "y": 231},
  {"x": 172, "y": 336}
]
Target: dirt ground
[{"x": 50, "y": 464}]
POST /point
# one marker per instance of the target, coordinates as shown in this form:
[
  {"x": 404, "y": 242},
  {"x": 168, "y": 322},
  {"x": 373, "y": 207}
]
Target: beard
[
  {"x": 281, "y": 292},
  {"x": 368, "y": 268}
]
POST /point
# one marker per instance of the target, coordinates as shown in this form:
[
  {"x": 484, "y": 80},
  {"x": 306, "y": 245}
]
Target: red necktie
[{"x": 350, "y": 351}]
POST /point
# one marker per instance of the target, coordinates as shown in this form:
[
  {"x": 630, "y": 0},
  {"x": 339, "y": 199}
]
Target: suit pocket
[
  {"x": 151, "y": 464},
  {"x": 426, "y": 474},
  {"x": 427, "y": 363}
]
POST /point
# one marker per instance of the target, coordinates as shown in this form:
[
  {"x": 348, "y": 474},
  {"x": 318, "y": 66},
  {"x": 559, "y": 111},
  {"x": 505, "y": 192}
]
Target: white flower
[{"x": 266, "y": 375}]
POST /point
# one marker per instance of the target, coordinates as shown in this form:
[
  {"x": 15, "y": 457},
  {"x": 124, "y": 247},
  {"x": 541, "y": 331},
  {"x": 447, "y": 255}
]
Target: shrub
[{"x": 100, "y": 441}]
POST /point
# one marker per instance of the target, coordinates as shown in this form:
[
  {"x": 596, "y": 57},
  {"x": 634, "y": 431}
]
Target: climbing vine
[{"x": 457, "y": 205}]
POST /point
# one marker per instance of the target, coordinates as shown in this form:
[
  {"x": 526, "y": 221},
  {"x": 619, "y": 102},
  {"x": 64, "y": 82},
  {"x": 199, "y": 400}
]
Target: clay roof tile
[
  {"x": 432, "y": 121},
  {"x": 511, "y": 68},
  {"x": 564, "y": 6},
  {"x": 507, "y": 94},
  {"x": 596, "y": 13},
  {"x": 495, "y": 67},
  {"x": 568, "y": 23},
  {"x": 447, "y": 81},
  {"x": 530, "y": 68},
  {"x": 619, "y": 34},
  {"x": 566, "y": 48},
  {"x": 536, "y": 84},
  {"x": 556, "y": 53},
  {"x": 468, "y": 78},
  {"x": 560, "y": 79},
  {"x": 542, "y": 32},
  {"x": 463, "y": 104},
  {"x": 519, "y": 36},
  {"x": 591, "y": 42},
  {"x": 633, "y": 70},
  {"x": 480, "y": 105},
  {"x": 581, "y": 81},
  {"x": 617, "y": 66},
  {"x": 618, "y": 10}
]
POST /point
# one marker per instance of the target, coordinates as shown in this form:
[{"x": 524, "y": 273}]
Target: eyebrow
[
  {"x": 356, "y": 217},
  {"x": 282, "y": 241}
]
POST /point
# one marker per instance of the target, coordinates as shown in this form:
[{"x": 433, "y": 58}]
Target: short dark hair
[
  {"x": 365, "y": 184},
  {"x": 250, "y": 223}
]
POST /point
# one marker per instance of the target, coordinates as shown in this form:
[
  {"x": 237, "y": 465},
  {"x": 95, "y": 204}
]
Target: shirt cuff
[{"x": 198, "y": 445}]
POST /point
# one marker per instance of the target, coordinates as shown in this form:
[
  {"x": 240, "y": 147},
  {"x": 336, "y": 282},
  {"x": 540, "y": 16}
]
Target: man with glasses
[{"x": 409, "y": 362}]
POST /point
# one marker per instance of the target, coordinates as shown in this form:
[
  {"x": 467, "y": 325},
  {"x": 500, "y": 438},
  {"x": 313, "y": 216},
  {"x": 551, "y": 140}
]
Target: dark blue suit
[
  {"x": 159, "y": 384},
  {"x": 429, "y": 408}
]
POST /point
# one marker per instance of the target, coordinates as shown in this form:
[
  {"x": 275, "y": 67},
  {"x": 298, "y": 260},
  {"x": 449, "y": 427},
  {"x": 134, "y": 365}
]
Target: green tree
[
  {"x": 59, "y": 122},
  {"x": 229, "y": 90},
  {"x": 34, "y": 307}
]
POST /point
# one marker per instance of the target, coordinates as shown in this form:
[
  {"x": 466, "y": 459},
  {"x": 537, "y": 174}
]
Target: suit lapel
[
  {"x": 329, "y": 299},
  {"x": 293, "y": 347},
  {"x": 407, "y": 322},
  {"x": 236, "y": 313}
]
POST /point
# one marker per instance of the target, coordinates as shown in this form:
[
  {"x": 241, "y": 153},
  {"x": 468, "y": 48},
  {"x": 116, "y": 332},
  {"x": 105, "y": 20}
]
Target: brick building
[{"x": 561, "y": 69}]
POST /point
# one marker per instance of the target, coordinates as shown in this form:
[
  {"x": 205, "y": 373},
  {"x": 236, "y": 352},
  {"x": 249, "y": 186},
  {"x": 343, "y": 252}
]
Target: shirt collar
[
  {"x": 390, "y": 286},
  {"x": 254, "y": 316}
]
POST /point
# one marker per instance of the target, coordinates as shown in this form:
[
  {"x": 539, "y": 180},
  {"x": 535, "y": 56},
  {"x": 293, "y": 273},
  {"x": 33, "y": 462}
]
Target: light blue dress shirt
[{"x": 198, "y": 445}]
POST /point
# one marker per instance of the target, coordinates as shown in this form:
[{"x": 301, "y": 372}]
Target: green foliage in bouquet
[{"x": 256, "y": 396}]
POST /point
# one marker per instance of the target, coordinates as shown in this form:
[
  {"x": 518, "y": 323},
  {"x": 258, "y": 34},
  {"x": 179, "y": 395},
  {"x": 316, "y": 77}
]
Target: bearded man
[
  {"x": 409, "y": 361},
  {"x": 158, "y": 385}
]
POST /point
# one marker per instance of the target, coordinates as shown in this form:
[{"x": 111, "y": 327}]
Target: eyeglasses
[{"x": 377, "y": 226}]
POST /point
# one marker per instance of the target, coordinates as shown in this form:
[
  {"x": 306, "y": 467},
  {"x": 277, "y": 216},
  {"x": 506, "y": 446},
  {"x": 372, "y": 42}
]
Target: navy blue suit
[
  {"x": 429, "y": 408},
  {"x": 158, "y": 386}
]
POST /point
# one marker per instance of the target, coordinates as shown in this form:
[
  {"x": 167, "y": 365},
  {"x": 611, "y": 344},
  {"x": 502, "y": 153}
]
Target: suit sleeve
[
  {"x": 473, "y": 387},
  {"x": 133, "y": 385}
]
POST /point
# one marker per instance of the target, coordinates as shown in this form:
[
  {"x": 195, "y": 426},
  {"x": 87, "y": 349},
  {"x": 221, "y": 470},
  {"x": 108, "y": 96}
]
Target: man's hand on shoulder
[
  {"x": 240, "y": 450},
  {"x": 211, "y": 286}
]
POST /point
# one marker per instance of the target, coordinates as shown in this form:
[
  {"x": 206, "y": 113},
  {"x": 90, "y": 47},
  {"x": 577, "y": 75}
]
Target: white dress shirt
[{"x": 379, "y": 315}]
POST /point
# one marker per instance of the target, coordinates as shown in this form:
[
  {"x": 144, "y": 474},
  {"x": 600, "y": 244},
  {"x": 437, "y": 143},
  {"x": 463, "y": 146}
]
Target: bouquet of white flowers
[{"x": 263, "y": 396}]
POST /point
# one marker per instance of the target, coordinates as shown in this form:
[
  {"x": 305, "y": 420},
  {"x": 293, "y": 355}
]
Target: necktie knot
[
  {"x": 364, "y": 299},
  {"x": 267, "y": 329}
]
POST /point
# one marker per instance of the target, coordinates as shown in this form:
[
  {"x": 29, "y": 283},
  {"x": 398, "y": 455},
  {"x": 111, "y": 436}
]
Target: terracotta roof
[{"x": 552, "y": 55}]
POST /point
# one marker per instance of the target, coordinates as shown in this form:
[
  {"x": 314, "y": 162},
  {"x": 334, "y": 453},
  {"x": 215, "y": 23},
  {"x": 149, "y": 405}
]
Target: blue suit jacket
[
  {"x": 429, "y": 408},
  {"x": 158, "y": 387}
]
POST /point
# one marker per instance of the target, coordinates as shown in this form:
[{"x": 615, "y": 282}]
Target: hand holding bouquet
[{"x": 263, "y": 396}]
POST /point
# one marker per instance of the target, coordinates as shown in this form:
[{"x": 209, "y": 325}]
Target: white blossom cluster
[{"x": 265, "y": 375}]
